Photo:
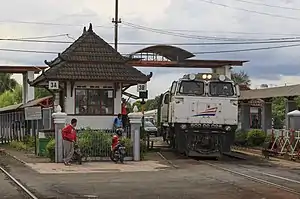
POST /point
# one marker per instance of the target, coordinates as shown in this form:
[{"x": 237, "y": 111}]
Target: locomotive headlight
[
  {"x": 183, "y": 126},
  {"x": 204, "y": 76},
  {"x": 192, "y": 76},
  {"x": 222, "y": 78},
  {"x": 209, "y": 76},
  {"x": 227, "y": 128}
]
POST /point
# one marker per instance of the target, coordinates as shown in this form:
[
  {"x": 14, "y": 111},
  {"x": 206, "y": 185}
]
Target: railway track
[
  {"x": 264, "y": 178},
  {"x": 8, "y": 181},
  {"x": 20, "y": 187},
  {"x": 253, "y": 174}
]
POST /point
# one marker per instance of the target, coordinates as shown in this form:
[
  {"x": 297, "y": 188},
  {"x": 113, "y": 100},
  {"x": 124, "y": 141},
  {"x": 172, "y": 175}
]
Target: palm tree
[
  {"x": 241, "y": 78},
  {"x": 6, "y": 82}
]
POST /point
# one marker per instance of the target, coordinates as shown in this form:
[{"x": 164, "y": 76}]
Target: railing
[
  {"x": 284, "y": 142},
  {"x": 96, "y": 144}
]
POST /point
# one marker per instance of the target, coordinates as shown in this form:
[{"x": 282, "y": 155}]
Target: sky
[{"x": 194, "y": 20}]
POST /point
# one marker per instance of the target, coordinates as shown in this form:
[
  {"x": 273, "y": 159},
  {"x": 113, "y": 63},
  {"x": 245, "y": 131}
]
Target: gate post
[
  {"x": 135, "y": 122},
  {"x": 59, "y": 122}
]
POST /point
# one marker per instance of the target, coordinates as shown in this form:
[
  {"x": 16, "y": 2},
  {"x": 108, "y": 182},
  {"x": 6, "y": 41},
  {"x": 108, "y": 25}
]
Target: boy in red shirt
[
  {"x": 69, "y": 138},
  {"x": 116, "y": 139}
]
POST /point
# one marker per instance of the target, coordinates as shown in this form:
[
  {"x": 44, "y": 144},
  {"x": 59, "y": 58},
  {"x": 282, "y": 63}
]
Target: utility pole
[{"x": 116, "y": 21}]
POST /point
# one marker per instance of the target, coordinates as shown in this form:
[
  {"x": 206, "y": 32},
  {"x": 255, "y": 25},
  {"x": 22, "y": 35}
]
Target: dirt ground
[{"x": 189, "y": 180}]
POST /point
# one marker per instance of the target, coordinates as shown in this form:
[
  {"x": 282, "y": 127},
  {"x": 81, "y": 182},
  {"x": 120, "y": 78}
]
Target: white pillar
[
  {"x": 59, "y": 122},
  {"x": 136, "y": 122},
  {"x": 28, "y": 91}
]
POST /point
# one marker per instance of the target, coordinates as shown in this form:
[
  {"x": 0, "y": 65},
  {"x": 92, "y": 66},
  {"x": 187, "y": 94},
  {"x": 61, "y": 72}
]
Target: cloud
[{"x": 208, "y": 20}]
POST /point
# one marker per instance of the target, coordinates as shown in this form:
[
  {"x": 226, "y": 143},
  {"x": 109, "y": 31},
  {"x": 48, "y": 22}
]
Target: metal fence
[
  {"x": 14, "y": 127},
  {"x": 95, "y": 145}
]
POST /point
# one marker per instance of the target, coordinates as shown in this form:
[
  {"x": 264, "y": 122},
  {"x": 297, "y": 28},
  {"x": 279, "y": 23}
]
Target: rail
[
  {"x": 253, "y": 178},
  {"x": 18, "y": 184},
  {"x": 260, "y": 180}
]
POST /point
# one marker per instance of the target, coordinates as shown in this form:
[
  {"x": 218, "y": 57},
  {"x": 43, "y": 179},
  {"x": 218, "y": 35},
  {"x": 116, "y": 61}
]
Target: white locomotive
[{"x": 198, "y": 115}]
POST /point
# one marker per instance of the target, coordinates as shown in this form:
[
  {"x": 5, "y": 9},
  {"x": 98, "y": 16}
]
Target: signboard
[
  {"x": 33, "y": 113},
  {"x": 141, "y": 87},
  {"x": 53, "y": 85}
]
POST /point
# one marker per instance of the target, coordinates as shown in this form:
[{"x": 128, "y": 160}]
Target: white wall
[{"x": 93, "y": 121}]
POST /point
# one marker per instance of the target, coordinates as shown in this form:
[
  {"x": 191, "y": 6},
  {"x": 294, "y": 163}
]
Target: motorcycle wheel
[{"x": 113, "y": 157}]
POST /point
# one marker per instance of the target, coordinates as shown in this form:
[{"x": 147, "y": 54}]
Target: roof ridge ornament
[
  {"x": 90, "y": 28},
  {"x": 84, "y": 29}
]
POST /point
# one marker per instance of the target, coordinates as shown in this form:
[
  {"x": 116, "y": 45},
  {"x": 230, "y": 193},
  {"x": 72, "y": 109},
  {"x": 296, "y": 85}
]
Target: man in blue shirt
[{"x": 118, "y": 122}]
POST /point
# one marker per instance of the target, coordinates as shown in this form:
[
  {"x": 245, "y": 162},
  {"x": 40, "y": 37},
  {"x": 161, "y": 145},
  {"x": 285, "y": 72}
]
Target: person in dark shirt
[{"x": 118, "y": 123}]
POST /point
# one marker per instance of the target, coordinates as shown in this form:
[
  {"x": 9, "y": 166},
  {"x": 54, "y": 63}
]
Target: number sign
[
  {"x": 53, "y": 85},
  {"x": 141, "y": 87}
]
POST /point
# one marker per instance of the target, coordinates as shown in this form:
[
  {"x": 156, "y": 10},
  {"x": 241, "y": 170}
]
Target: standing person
[
  {"x": 124, "y": 112},
  {"x": 69, "y": 138},
  {"x": 118, "y": 123}
]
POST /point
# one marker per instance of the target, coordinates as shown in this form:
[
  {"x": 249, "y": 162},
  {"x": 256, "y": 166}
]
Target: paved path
[{"x": 192, "y": 180}]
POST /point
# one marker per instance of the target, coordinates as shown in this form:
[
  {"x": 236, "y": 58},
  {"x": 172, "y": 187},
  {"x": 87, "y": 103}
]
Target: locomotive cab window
[
  {"x": 191, "y": 88},
  {"x": 166, "y": 98},
  {"x": 221, "y": 89}
]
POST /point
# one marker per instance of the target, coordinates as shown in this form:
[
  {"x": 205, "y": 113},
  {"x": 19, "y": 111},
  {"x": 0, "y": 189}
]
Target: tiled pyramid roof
[{"x": 93, "y": 59}]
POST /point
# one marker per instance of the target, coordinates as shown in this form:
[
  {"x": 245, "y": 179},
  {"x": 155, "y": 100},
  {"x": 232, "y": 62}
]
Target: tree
[
  {"x": 278, "y": 112},
  {"x": 152, "y": 103},
  {"x": 137, "y": 104},
  {"x": 6, "y": 82},
  {"x": 241, "y": 78},
  {"x": 41, "y": 92},
  {"x": 11, "y": 97}
]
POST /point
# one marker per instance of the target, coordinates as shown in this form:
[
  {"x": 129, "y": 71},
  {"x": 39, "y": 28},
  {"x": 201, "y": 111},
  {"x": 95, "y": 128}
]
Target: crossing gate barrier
[{"x": 284, "y": 142}]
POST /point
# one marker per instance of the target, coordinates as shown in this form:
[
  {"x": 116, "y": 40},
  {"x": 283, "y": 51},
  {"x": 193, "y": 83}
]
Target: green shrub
[
  {"x": 240, "y": 138},
  {"x": 29, "y": 141},
  {"x": 50, "y": 150},
  {"x": 256, "y": 137},
  {"x": 20, "y": 146},
  {"x": 95, "y": 143}
]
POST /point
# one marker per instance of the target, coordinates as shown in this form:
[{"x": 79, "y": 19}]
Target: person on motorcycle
[{"x": 115, "y": 140}]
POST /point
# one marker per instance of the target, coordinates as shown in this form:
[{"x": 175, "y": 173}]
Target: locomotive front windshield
[
  {"x": 191, "y": 88},
  {"x": 221, "y": 89}
]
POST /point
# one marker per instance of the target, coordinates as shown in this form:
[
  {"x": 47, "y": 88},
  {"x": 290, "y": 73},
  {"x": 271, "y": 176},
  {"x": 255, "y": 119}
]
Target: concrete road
[{"x": 191, "y": 181}]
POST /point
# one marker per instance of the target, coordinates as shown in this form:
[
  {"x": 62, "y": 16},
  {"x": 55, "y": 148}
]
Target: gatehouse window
[{"x": 94, "y": 101}]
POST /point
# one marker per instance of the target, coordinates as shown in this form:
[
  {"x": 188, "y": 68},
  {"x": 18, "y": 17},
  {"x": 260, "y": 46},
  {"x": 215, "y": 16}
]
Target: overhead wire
[
  {"x": 49, "y": 23},
  {"x": 268, "y": 5},
  {"x": 200, "y": 52},
  {"x": 270, "y": 41},
  {"x": 175, "y": 30},
  {"x": 251, "y": 11},
  {"x": 246, "y": 50},
  {"x": 41, "y": 37},
  {"x": 164, "y": 32},
  {"x": 177, "y": 34}
]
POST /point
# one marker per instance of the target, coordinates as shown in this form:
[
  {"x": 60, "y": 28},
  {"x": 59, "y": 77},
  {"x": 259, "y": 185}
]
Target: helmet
[{"x": 119, "y": 132}]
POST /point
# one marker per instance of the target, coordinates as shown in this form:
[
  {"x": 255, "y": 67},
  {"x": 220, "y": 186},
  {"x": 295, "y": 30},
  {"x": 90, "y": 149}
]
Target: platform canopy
[
  {"x": 175, "y": 57},
  {"x": 172, "y": 53},
  {"x": 21, "y": 69},
  {"x": 283, "y": 91}
]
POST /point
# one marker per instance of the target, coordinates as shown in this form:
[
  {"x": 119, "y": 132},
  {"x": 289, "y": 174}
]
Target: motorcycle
[
  {"x": 77, "y": 156},
  {"x": 118, "y": 154}
]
